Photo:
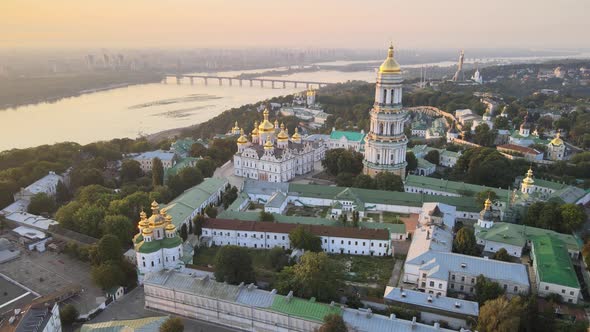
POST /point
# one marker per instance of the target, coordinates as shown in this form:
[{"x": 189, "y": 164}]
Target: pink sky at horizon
[{"x": 286, "y": 23}]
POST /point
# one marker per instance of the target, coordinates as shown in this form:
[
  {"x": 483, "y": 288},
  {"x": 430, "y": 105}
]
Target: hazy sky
[{"x": 300, "y": 23}]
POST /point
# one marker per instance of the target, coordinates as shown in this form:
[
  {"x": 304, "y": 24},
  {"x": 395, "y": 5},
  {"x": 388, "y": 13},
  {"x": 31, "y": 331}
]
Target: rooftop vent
[
  {"x": 403, "y": 294},
  {"x": 274, "y": 291},
  {"x": 392, "y": 316},
  {"x": 457, "y": 304},
  {"x": 369, "y": 313},
  {"x": 289, "y": 296},
  {"x": 250, "y": 287},
  {"x": 429, "y": 299},
  {"x": 463, "y": 265},
  {"x": 332, "y": 304},
  {"x": 436, "y": 325}
]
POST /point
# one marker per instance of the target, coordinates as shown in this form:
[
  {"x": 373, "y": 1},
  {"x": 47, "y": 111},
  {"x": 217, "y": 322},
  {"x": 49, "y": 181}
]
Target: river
[{"x": 149, "y": 108}]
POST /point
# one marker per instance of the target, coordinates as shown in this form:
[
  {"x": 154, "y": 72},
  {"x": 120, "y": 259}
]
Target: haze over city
[{"x": 307, "y": 23}]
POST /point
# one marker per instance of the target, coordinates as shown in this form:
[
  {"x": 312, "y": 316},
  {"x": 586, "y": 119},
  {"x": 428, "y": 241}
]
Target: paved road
[
  {"x": 227, "y": 172},
  {"x": 131, "y": 306}
]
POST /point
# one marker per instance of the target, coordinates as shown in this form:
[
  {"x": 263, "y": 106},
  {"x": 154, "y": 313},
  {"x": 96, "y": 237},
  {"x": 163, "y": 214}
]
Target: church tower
[
  {"x": 385, "y": 145},
  {"x": 528, "y": 184},
  {"x": 486, "y": 216}
]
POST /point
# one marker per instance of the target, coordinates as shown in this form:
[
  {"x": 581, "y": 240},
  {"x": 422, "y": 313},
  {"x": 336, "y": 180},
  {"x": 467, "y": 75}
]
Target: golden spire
[
  {"x": 155, "y": 208},
  {"x": 265, "y": 126},
  {"x": 557, "y": 141},
  {"x": 296, "y": 136},
  {"x": 390, "y": 65},
  {"x": 283, "y": 135},
  {"x": 282, "y": 125},
  {"x": 528, "y": 180},
  {"x": 142, "y": 215},
  {"x": 488, "y": 203}
]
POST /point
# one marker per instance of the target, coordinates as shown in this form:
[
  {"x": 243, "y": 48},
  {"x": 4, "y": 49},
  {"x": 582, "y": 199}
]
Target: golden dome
[
  {"x": 311, "y": 92},
  {"x": 557, "y": 141},
  {"x": 268, "y": 145},
  {"x": 265, "y": 126},
  {"x": 255, "y": 130},
  {"x": 282, "y": 125},
  {"x": 142, "y": 215},
  {"x": 243, "y": 139},
  {"x": 236, "y": 127},
  {"x": 147, "y": 231},
  {"x": 296, "y": 135},
  {"x": 170, "y": 227},
  {"x": 488, "y": 203},
  {"x": 390, "y": 65},
  {"x": 283, "y": 136},
  {"x": 529, "y": 177}
]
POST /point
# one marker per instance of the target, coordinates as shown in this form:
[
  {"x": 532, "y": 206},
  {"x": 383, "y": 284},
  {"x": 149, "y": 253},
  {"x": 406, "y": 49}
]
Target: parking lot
[{"x": 47, "y": 272}]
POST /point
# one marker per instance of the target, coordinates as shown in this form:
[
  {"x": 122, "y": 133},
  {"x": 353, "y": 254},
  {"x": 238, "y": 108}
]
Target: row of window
[{"x": 283, "y": 238}]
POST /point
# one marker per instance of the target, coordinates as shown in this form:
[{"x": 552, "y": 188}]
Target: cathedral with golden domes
[
  {"x": 272, "y": 155},
  {"x": 157, "y": 245}
]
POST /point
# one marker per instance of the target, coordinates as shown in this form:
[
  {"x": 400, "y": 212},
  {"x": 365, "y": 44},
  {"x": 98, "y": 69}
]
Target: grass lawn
[
  {"x": 375, "y": 216},
  {"x": 392, "y": 218},
  {"x": 260, "y": 260},
  {"x": 366, "y": 269}
]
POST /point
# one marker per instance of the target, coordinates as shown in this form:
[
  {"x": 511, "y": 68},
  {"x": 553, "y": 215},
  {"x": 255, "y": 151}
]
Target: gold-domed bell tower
[
  {"x": 266, "y": 130},
  {"x": 386, "y": 143},
  {"x": 486, "y": 216},
  {"x": 283, "y": 137},
  {"x": 269, "y": 148},
  {"x": 242, "y": 141},
  {"x": 528, "y": 183}
]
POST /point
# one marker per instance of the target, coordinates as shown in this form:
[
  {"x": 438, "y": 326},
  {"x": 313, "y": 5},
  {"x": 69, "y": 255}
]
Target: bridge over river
[{"x": 274, "y": 83}]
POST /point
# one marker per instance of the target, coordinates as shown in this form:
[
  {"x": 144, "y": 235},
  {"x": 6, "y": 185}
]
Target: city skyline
[{"x": 262, "y": 23}]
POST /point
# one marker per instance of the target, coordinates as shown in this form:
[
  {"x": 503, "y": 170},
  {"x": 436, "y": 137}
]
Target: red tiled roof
[
  {"x": 319, "y": 230},
  {"x": 521, "y": 149}
]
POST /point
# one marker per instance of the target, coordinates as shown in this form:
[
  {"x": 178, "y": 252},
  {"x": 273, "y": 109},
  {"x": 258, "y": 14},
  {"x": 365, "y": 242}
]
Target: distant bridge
[{"x": 240, "y": 81}]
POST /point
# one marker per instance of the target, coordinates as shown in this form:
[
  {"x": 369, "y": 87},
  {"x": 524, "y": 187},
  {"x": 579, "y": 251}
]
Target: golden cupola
[
  {"x": 276, "y": 123},
  {"x": 296, "y": 136},
  {"x": 236, "y": 127},
  {"x": 283, "y": 136},
  {"x": 158, "y": 217},
  {"x": 557, "y": 141},
  {"x": 529, "y": 177},
  {"x": 255, "y": 130},
  {"x": 268, "y": 145},
  {"x": 242, "y": 139},
  {"x": 265, "y": 126},
  {"x": 390, "y": 66},
  {"x": 488, "y": 203},
  {"x": 143, "y": 223}
]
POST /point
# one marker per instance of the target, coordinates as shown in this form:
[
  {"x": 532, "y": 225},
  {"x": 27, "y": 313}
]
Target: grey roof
[
  {"x": 442, "y": 303},
  {"x": 160, "y": 154},
  {"x": 184, "y": 283},
  {"x": 361, "y": 321},
  {"x": 254, "y": 187},
  {"x": 34, "y": 320},
  {"x": 250, "y": 295},
  {"x": 276, "y": 200},
  {"x": 439, "y": 264}
]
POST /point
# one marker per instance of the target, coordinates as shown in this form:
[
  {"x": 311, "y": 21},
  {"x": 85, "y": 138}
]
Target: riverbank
[{"x": 21, "y": 91}]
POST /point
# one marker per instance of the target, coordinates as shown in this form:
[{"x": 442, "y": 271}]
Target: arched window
[
  {"x": 380, "y": 129},
  {"x": 384, "y": 96},
  {"x": 392, "y": 129}
]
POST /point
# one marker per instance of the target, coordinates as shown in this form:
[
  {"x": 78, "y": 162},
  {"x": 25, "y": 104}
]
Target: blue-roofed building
[
  {"x": 456, "y": 313},
  {"x": 145, "y": 159}
]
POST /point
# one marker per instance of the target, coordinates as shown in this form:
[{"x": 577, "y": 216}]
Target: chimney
[
  {"x": 437, "y": 325},
  {"x": 392, "y": 317},
  {"x": 429, "y": 299},
  {"x": 289, "y": 296},
  {"x": 369, "y": 313}
]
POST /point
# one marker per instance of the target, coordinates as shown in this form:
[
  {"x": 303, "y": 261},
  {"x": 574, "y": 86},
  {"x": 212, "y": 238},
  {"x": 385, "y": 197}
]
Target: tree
[
  {"x": 207, "y": 166},
  {"x": 343, "y": 218},
  {"x": 333, "y": 323},
  {"x": 486, "y": 290},
  {"x": 412, "y": 162},
  {"x": 62, "y": 193},
  {"x": 172, "y": 324},
  {"x": 339, "y": 161},
  {"x": 316, "y": 275},
  {"x": 119, "y": 226},
  {"x": 389, "y": 181},
  {"x": 211, "y": 211},
  {"x": 484, "y": 135},
  {"x": 266, "y": 216},
  {"x": 501, "y": 122},
  {"x": 433, "y": 156},
  {"x": 198, "y": 221},
  {"x": 88, "y": 220},
  {"x": 130, "y": 170},
  {"x": 157, "y": 172},
  {"x": 573, "y": 217},
  {"x": 485, "y": 166},
  {"x": 40, "y": 203},
  {"x": 301, "y": 238},
  {"x": 107, "y": 275},
  {"x": 108, "y": 249},
  {"x": 500, "y": 315},
  {"x": 464, "y": 242},
  {"x": 502, "y": 255},
  {"x": 355, "y": 219},
  {"x": 197, "y": 150},
  {"x": 345, "y": 179},
  {"x": 363, "y": 181},
  {"x": 229, "y": 196},
  {"x": 278, "y": 258},
  {"x": 183, "y": 232},
  {"x": 233, "y": 265},
  {"x": 68, "y": 314}
]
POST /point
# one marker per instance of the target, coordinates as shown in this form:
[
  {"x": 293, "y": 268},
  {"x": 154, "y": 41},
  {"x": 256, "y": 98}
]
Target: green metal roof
[
  {"x": 553, "y": 262},
  {"x": 184, "y": 163},
  {"x": 190, "y": 200},
  {"x": 549, "y": 184},
  {"x": 305, "y": 309},
  {"x": 148, "y": 247},
  {"x": 350, "y": 135},
  {"x": 171, "y": 242},
  {"x": 517, "y": 235},
  {"x": 459, "y": 188},
  {"x": 423, "y": 163},
  {"x": 149, "y": 324}
]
